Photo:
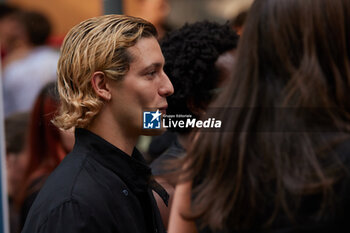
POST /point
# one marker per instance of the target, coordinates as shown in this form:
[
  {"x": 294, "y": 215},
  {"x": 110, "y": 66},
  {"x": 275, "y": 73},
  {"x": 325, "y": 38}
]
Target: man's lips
[{"x": 163, "y": 109}]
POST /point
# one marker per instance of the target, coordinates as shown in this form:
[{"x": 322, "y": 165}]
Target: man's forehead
[{"x": 134, "y": 53}]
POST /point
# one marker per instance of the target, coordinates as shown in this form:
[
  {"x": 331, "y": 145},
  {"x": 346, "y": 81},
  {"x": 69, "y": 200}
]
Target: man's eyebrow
[{"x": 153, "y": 65}]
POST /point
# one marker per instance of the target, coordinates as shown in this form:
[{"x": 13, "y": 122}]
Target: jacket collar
[{"x": 133, "y": 169}]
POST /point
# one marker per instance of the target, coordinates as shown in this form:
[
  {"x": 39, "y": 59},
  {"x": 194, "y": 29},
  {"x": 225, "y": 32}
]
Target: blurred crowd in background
[{"x": 31, "y": 33}]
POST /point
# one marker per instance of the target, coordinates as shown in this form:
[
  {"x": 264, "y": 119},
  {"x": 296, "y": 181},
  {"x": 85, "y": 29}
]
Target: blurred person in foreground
[
  {"x": 198, "y": 57},
  {"x": 110, "y": 70},
  {"x": 29, "y": 63},
  {"x": 281, "y": 161},
  {"x": 47, "y": 146}
]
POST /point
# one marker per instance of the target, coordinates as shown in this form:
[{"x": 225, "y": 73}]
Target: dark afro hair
[{"x": 190, "y": 54}]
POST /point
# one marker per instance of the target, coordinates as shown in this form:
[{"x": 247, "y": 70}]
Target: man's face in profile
[{"x": 144, "y": 87}]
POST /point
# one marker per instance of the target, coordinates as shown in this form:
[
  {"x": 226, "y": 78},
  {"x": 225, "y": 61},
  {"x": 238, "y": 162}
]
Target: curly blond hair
[{"x": 97, "y": 44}]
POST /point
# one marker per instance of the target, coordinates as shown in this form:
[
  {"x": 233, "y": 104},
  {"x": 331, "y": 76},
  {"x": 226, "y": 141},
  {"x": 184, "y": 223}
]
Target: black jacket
[{"x": 96, "y": 188}]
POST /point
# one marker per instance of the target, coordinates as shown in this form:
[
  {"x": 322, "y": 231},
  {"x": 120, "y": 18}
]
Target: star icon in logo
[{"x": 156, "y": 115}]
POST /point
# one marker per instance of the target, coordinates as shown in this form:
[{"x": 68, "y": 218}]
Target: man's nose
[{"x": 166, "y": 89}]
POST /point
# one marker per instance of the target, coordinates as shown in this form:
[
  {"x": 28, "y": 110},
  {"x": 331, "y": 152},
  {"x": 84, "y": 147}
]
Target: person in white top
[{"x": 29, "y": 64}]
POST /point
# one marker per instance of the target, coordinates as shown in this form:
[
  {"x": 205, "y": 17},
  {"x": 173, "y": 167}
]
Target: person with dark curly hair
[{"x": 197, "y": 57}]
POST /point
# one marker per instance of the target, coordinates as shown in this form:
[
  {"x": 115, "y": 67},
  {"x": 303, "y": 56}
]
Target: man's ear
[{"x": 99, "y": 84}]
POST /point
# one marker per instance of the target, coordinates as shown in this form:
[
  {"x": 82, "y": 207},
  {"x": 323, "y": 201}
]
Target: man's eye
[{"x": 152, "y": 73}]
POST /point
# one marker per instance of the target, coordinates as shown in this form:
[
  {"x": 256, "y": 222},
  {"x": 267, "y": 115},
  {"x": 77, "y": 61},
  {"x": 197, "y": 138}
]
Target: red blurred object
[{"x": 55, "y": 41}]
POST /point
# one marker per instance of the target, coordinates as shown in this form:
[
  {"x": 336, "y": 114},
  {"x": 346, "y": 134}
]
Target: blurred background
[{"x": 165, "y": 14}]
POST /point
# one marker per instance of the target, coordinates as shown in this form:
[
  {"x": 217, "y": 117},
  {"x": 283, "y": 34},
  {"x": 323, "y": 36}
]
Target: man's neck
[{"x": 113, "y": 134}]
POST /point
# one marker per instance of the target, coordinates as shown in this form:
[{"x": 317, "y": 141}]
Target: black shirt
[{"x": 96, "y": 188}]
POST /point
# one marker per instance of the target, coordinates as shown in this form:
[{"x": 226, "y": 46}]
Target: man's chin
[{"x": 152, "y": 132}]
